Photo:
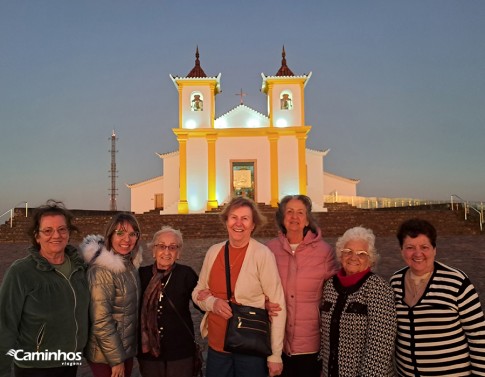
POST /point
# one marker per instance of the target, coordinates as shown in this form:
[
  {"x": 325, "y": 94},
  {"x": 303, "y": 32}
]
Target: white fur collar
[{"x": 107, "y": 259}]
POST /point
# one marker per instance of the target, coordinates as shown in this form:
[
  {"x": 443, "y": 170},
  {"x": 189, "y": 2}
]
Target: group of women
[{"x": 331, "y": 315}]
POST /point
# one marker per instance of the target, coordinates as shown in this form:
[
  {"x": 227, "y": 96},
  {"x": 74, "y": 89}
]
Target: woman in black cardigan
[{"x": 167, "y": 331}]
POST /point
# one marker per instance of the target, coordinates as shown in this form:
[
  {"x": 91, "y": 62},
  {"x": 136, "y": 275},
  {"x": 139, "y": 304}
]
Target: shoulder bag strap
[
  {"x": 228, "y": 272},
  {"x": 180, "y": 317}
]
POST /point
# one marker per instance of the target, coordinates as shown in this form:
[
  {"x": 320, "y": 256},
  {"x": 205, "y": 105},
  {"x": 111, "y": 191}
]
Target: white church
[{"x": 240, "y": 153}]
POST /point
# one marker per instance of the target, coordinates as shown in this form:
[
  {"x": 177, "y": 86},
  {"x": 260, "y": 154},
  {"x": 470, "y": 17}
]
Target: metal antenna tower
[{"x": 113, "y": 191}]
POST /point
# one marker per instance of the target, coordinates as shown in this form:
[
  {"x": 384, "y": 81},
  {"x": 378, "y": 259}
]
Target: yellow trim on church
[
  {"x": 273, "y": 138},
  {"x": 183, "y": 205},
  {"x": 241, "y": 132},
  {"x": 302, "y": 167},
  {"x": 211, "y": 173}
]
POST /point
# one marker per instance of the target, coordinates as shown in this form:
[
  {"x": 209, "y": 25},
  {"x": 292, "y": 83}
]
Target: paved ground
[{"x": 464, "y": 252}]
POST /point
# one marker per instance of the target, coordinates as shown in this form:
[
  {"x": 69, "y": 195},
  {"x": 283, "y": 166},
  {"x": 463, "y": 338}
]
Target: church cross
[{"x": 241, "y": 94}]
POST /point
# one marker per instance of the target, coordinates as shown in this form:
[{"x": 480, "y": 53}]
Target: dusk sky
[{"x": 397, "y": 91}]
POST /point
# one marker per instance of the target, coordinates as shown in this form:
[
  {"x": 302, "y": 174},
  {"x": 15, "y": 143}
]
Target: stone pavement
[{"x": 464, "y": 252}]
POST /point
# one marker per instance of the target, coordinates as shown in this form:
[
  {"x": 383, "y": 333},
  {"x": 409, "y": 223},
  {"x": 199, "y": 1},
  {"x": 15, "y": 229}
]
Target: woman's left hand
[
  {"x": 203, "y": 294},
  {"x": 118, "y": 370},
  {"x": 275, "y": 369},
  {"x": 222, "y": 308}
]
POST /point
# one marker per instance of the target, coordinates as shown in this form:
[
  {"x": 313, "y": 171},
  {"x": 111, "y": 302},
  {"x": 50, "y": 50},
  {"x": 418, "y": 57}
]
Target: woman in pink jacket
[{"x": 305, "y": 261}]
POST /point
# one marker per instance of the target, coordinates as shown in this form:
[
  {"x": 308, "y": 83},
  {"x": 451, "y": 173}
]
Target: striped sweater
[{"x": 444, "y": 333}]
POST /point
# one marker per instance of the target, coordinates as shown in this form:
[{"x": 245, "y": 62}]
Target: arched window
[
  {"x": 197, "y": 101},
  {"x": 286, "y": 101}
]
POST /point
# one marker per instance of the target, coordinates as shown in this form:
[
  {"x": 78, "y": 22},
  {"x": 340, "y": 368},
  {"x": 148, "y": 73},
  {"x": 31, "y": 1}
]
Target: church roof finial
[
  {"x": 197, "y": 71},
  {"x": 284, "y": 70}
]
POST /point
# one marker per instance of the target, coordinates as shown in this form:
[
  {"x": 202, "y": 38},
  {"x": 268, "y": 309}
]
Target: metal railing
[
  {"x": 11, "y": 211},
  {"x": 457, "y": 201},
  {"x": 377, "y": 202}
]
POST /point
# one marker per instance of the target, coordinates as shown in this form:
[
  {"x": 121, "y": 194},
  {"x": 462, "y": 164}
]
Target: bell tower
[
  {"x": 286, "y": 110},
  {"x": 196, "y": 97},
  {"x": 286, "y": 96},
  {"x": 197, "y": 108}
]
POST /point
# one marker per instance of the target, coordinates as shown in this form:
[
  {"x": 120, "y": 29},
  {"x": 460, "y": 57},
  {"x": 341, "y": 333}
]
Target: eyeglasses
[
  {"x": 49, "y": 232},
  {"x": 122, "y": 233},
  {"x": 359, "y": 253},
  {"x": 161, "y": 247}
]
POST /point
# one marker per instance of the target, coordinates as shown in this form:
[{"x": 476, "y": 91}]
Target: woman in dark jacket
[
  {"x": 167, "y": 331},
  {"x": 44, "y": 300}
]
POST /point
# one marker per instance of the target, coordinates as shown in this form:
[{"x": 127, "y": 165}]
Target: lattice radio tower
[{"x": 113, "y": 192}]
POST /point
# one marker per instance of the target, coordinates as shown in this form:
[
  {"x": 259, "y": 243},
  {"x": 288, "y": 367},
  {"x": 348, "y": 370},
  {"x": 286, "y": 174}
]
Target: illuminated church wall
[
  {"x": 288, "y": 165},
  {"x": 197, "y": 170}
]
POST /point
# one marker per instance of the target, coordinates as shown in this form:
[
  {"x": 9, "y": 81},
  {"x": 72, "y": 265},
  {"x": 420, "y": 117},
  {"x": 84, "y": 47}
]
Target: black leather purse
[{"x": 248, "y": 330}]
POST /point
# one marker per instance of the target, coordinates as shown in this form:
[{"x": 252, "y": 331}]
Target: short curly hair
[
  {"x": 363, "y": 234},
  {"x": 413, "y": 228},
  {"x": 51, "y": 208}
]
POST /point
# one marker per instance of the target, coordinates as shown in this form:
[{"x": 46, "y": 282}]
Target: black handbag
[{"x": 248, "y": 330}]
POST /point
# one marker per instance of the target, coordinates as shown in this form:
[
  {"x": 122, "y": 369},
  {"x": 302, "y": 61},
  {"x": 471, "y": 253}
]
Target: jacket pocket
[
  {"x": 357, "y": 308},
  {"x": 326, "y": 306},
  {"x": 40, "y": 337}
]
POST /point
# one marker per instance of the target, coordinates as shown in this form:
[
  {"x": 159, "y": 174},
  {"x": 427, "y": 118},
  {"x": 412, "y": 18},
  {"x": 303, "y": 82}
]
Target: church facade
[{"x": 241, "y": 153}]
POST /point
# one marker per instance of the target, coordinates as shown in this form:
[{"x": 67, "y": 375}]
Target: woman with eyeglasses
[
  {"x": 440, "y": 322},
  {"x": 357, "y": 313},
  {"x": 115, "y": 294},
  {"x": 44, "y": 300},
  {"x": 167, "y": 331}
]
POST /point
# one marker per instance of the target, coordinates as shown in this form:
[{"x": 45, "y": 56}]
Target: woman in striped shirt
[{"x": 441, "y": 326}]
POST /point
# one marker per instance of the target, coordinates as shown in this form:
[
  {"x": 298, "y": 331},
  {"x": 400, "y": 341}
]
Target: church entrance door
[{"x": 243, "y": 178}]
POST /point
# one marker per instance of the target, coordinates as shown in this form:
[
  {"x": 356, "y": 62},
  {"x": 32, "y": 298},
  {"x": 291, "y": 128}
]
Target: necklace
[
  {"x": 417, "y": 285},
  {"x": 164, "y": 285},
  {"x": 236, "y": 259}
]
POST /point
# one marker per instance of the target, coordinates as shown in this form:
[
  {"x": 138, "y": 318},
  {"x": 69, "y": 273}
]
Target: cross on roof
[{"x": 241, "y": 94}]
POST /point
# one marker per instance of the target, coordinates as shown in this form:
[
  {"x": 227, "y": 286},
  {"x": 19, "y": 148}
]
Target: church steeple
[
  {"x": 284, "y": 70},
  {"x": 197, "y": 71}
]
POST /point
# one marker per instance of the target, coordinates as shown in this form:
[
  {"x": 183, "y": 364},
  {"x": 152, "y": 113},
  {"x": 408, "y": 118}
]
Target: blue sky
[{"x": 397, "y": 91}]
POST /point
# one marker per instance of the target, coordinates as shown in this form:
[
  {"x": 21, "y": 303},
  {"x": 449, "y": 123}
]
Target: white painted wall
[
  {"x": 142, "y": 195},
  {"x": 343, "y": 186},
  {"x": 197, "y": 171},
  {"x": 288, "y": 175},
  {"x": 171, "y": 165},
  {"x": 315, "y": 186}
]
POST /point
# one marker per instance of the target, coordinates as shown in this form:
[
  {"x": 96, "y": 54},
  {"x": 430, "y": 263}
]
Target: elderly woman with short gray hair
[
  {"x": 167, "y": 331},
  {"x": 358, "y": 313}
]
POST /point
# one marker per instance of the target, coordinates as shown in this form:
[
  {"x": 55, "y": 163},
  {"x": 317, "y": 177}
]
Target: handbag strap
[{"x": 228, "y": 272}]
